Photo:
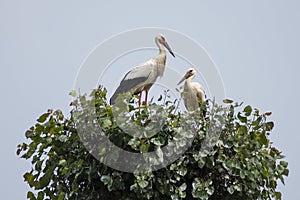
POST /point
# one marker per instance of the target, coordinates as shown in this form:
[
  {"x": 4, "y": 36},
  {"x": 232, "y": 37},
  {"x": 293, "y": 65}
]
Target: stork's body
[
  {"x": 193, "y": 93},
  {"x": 143, "y": 76}
]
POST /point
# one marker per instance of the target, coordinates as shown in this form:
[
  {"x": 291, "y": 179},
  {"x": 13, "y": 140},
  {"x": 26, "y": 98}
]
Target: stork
[
  {"x": 143, "y": 76},
  {"x": 193, "y": 93}
]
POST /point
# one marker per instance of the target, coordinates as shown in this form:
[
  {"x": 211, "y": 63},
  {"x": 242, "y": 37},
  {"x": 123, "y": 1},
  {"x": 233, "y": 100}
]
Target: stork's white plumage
[
  {"x": 143, "y": 76},
  {"x": 193, "y": 93}
]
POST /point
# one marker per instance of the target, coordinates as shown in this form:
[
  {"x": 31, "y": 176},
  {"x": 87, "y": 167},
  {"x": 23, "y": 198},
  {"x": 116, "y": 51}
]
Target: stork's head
[
  {"x": 161, "y": 40},
  {"x": 189, "y": 74}
]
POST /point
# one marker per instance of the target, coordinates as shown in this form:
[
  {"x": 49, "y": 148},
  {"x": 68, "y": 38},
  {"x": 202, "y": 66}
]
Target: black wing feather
[{"x": 126, "y": 85}]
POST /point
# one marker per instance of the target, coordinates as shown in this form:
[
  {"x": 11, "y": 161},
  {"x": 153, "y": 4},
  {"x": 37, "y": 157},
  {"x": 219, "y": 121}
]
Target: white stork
[
  {"x": 143, "y": 76},
  {"x": 193, "y": 93}
]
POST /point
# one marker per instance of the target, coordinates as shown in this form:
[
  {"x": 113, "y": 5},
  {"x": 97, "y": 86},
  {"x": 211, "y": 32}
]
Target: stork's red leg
[
  {"x": 140, "y": 100},
  {"x": 146, "y": 99}
]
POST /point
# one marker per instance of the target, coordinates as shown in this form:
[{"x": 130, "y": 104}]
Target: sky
[{"x": 254, "y": 44}]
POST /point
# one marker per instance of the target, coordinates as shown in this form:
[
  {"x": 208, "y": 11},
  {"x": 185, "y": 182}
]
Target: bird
[
  {"x": 144, "y": 75},
  {"x": 193, "y": 92}
]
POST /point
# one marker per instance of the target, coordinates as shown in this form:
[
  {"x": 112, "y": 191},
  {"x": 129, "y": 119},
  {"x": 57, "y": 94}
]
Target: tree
[{"x": 241, "y": 161}]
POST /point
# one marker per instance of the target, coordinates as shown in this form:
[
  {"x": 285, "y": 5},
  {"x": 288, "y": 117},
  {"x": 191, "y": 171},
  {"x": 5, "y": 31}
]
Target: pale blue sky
[{"x": 255, "y": 45}]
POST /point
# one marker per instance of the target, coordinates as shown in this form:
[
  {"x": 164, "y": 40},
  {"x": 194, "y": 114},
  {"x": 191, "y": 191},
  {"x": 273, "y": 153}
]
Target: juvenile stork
[
  {"x": 193, "y": 93},
  {"x": 143, "y": 76}
]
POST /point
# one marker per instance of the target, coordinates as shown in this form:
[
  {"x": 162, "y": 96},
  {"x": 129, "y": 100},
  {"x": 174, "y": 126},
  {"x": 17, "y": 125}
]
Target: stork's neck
[
  {"x": 189, "y": 80},
  {"x": 161, "y": 59},
  {"x": 162, "y": 50}
]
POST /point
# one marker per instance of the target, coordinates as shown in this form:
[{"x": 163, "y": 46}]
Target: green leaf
[
  {"x": 39, "y": 129},
  {"x": 201, "y": 162},
  {"x": 210, "y": 190},
  {"x": 242, "y": 118},
  {"x": 45, "y": 179},
  {"x": 242, "y": 130},
  {"x": 237, "y": 187},
  {"x": 182, "y": 187},
  {"x": 174, "y": 197},
  {"x": 256, "y": 112},
  {"x": 144, "y": 147},
  {"x": 61, "y": 196},
  {"x": 30, "y": 179},
  {"x": 286, "y": 172},
  {"x": 230, "y": 189},
  {"x": 63, "y": 138},
  {"x": 158, "y": 141},
  {"x": 248, "y": 110},
  {"x": 283, "y": 163},
  {"x": 143, "y": 183},
  {"x": 257, "y": 122},
  {"x": 269, "y": 126},
  {"x": 30, "y": 196},
  {"x": 263, "y": 139},
  {"x": 73, "y": 93},
  {"x": 43, "y": 117},
  {"x": 29, "y": 133},
  {"x": 106, "y": 123},
  {"x": 228, "y": 101},
  {"x": 278, "y": 195},
  {"x": 62, "y": 162},
  {"x": 40, "y": 195},
  {"x": 221, "y": 158},
  {"x": 106, "y": 180},
  {"x": 182, "y": 171}
]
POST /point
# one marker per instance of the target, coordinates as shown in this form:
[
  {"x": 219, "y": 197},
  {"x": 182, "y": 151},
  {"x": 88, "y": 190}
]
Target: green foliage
[{"x": 242, "y": 164}]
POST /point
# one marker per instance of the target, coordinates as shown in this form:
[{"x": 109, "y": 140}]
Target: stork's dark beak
[
  {"x": 169, "y": 48},
  {"x": 183, "y": 78},
  {"x": 187, "y": 75}
]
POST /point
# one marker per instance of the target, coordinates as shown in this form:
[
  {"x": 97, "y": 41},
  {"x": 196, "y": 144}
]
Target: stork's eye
[{"x": 191, "y": 71}]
